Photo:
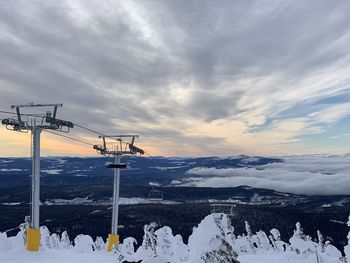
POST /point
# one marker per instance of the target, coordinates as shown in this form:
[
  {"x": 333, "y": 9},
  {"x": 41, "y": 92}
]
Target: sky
[{"x": 193, "y": 78}]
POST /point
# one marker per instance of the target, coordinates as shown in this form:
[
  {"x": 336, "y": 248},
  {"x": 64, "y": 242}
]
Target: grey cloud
[
  {"x": 212, "y": 105},
  {"x": 104, "y": 70},
  {"x": 242, "y": 36}
]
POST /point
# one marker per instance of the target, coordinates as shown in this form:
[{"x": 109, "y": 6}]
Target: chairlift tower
[
  {"x": 124, "y": 146},
  {"x": 36, "y": 124}
]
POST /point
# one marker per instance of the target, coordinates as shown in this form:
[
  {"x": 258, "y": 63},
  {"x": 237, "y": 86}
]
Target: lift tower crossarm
[
  {"x": 130, "y": 150},
  {"x": 120, "y": 136},
  {"x": 36, "y": 105}
]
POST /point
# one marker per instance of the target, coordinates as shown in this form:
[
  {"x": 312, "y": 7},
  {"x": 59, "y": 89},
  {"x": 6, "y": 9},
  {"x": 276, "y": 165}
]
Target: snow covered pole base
[
  {"x": 33, "y": 239},
  {"x": 113, "y": 239}
]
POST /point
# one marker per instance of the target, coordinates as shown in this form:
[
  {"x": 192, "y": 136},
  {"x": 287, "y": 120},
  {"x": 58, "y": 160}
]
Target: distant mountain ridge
[
  {"x": 91, "y": 170},
  {"x": 298, "y": 174}
]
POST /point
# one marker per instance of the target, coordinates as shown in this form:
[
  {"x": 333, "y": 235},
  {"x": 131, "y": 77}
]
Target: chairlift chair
[
  {"x": 155, "y": 194},
  {"x": 116, "y": 165},
  {"x": 224, "y": 208},
  {"x": 15, "y": 125}
]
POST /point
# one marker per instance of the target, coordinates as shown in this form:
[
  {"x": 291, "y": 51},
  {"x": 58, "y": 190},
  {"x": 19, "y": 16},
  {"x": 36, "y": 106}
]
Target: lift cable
[
  {"x": 80, "y": 126},
  {"x": 42, "y": 115},
  {"x": 97, "y": 132},
  {"x": 155, "y": 160},
  {"x": 76, "y": 124},
  {"x": 90, "y": 130},
  {"x": 68, "y": 137}
]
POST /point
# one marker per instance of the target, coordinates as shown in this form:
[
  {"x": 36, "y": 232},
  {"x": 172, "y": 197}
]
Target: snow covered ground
[
  {"x": 55, "y": 256},
  {"x": 70, "y": 256},
  {"x": 212, "y": 241},
  {"x": 283, "y": 258}
]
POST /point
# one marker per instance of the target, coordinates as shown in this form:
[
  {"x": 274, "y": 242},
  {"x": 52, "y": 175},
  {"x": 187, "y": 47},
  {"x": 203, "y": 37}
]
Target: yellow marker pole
[
  {"x": 33, "y": 239},
  {"x": 113, "y": 239}
]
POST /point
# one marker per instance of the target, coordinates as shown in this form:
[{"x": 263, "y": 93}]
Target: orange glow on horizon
[{"x": 17, "y": 144}]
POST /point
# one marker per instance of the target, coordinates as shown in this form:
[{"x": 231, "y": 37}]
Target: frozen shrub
[
  {"x": 300, "y": 242},
  {"x": 54, "y": 241},
  {"x": 170, "y": 247},
  {"x": 45, "y": 237},
  {"x": 83, "y": 243},
  {"x": 65, "y": 242},
  {"x": 276, "y": 241},
  {"x": 99, "y": 244}
]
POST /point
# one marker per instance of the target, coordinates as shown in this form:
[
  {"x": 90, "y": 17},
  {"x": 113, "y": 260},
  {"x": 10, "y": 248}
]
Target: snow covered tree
[
  {"x": 320, "y": 241},
  {"x": 170, "y": 247},
  {"x": 325, "y": 251},
  {"x": 148, "y": 248},
  {"x": 273, "y": 242},
  {"x": 23, "y": 228},
  {"x": 45, "y": 237},
  {"x": 276, "y": 241},
  {"x": 212, "y": 241},
  {"x": 99, "y": 244},
  {"x": 298, "y": 232},
  {"x": 126, "y": 251},
  {"x": 83, "y": 243},
  {"x": 261, "y": 240},
  {"x": 149, "y": 239},
  {"x": 221, "y": 252},
  {"x": 275, "y": 234},
  {"x": 347, "y": 247},
  {"x": 54, "y": 241},
  {"x": 247, "y": 229},
  {"x": 65, "y": 242},
  {"x": 300, "y": 242},
  {"x": 20, "y": 239},
  {"x": 244, "y": 243}
]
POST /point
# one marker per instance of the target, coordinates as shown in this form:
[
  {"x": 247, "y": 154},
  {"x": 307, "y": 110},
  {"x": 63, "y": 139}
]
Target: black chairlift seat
[{"x": 116, "y": 165}]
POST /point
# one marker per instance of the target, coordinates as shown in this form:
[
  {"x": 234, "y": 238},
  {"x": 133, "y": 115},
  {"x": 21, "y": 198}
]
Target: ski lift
[
  {"x": 225, "y": 208},
  {"x": 155, "y": 194},
  {"x": 15, "y": 125}
]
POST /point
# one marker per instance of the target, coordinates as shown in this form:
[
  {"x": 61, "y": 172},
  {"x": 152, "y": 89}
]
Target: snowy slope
[{"x": 55, "y": 256}]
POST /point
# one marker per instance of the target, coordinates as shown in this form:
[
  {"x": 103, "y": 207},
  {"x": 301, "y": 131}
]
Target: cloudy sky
[{"x": 191, "y": 77}]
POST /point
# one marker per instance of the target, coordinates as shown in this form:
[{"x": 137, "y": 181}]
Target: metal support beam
[
  {"x": 116, "y": 197},
  {"x": 35, "y": 178}
]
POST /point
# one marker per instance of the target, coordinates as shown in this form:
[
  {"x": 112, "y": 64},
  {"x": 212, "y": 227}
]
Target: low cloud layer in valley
[{"x": 296, "y": 174}]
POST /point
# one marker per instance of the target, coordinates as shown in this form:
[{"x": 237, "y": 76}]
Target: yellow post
[
  {"x": 112, "y": 240},
  {"x": 33, "y": 239}
]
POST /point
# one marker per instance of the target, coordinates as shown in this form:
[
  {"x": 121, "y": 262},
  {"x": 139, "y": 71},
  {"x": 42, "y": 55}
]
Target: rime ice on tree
[{"x": 212, "y": 241}]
